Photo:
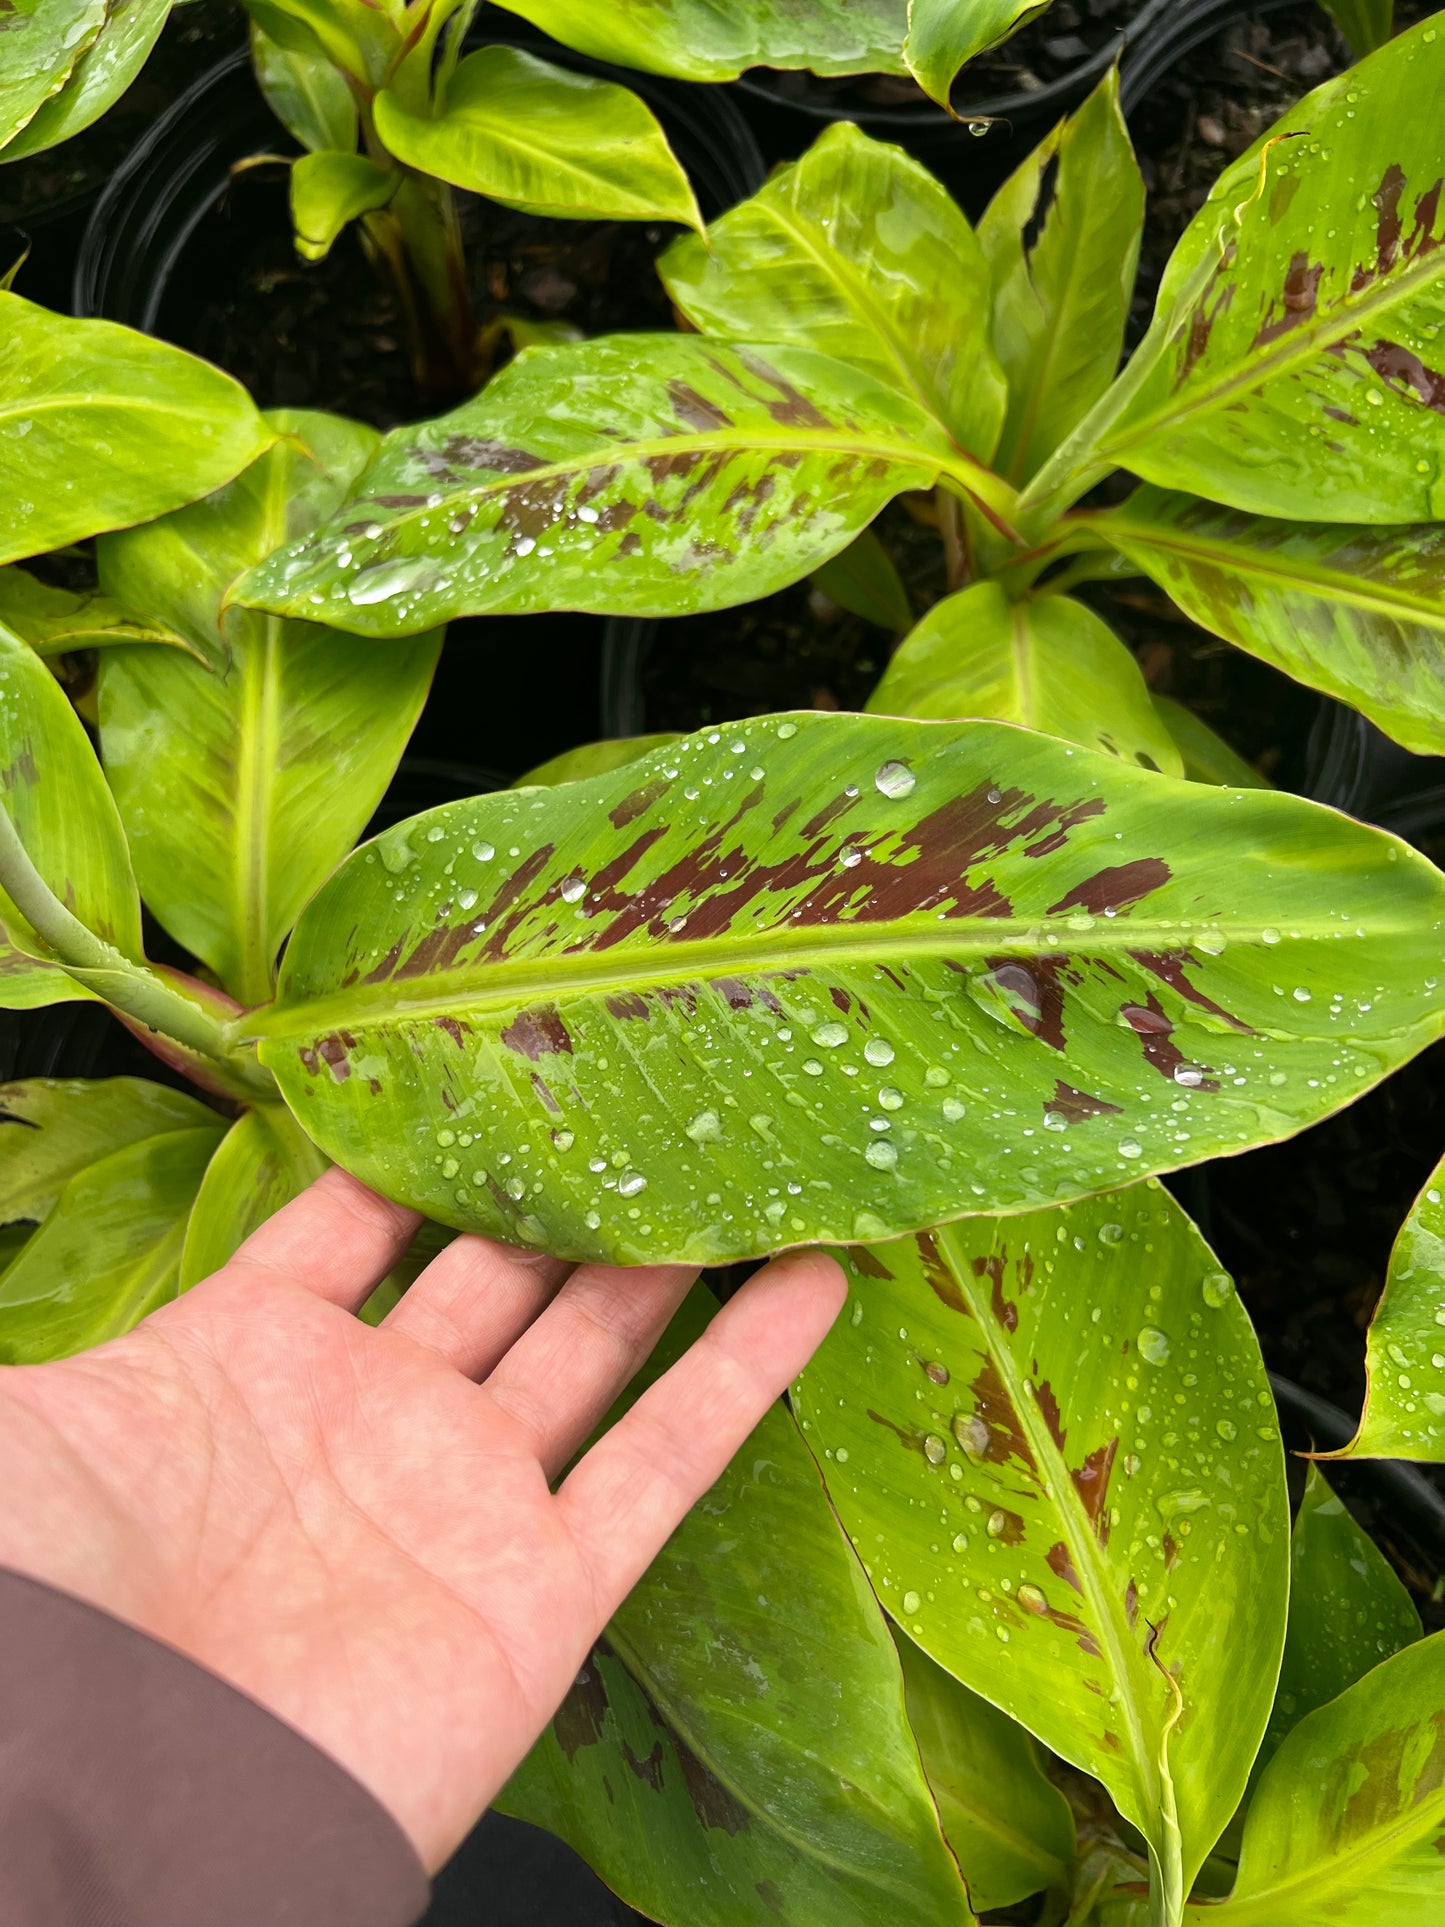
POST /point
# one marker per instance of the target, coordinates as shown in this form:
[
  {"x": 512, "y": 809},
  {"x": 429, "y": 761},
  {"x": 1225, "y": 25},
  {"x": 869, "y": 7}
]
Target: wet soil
[{"x": 330, "y": 334}]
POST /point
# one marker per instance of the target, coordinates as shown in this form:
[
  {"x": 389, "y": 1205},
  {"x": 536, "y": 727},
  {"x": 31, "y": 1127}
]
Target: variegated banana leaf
[
  {"x": 637, "y": 474},
  {"x": 1347, "y": 1821},
  {"x": 837, "y": 977},
  {"x": 1357, "y": 612},
  {"x": 1053, "y": 1443}
]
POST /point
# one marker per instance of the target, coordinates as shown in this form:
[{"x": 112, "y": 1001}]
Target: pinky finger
[{"x": 632, "y": 1490}]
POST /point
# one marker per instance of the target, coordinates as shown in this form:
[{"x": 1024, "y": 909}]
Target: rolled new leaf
[
  {"x": 544, "y": 139},
  {"x": 700, "y": 40},
  {"x": 638, "y": 474},
  {"x": 1404, "y": 1415},
  {"x": 1357, "y": 612},
  {"x": 1346, "y": 1823},
  {"x": 101, "y": 427},
  {"x": 1053, "y": 1442},
  {"x": 838, "y": 977}
]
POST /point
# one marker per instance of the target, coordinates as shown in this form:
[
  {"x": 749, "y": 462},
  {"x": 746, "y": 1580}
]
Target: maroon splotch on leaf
[
  {"x": 1115, "y": 888},
  {"x": 1075, "y": 1106},
  {"x": 538, "y": 1032}
]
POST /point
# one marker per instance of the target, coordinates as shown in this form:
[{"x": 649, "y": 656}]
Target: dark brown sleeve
[{"x": 139, "y": 1790}]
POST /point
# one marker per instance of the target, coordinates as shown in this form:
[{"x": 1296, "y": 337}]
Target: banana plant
[
  {"x": 858, "y": 340},
  {"x": 394, "y": 115}
]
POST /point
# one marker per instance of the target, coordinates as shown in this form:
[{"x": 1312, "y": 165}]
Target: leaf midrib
[
  {"x": 1078, "y": 1531},
  {"x": 559, "y": 976},
  {"x": 1301, "y": 346},
  {"x": 1310, "y": 576}
]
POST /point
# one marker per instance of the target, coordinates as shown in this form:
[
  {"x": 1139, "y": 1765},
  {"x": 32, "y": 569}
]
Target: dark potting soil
[
  {"x": 193, "y": 38},
  {"x": 329, "y": 334},
  {"x": 1047, "y": 49}
]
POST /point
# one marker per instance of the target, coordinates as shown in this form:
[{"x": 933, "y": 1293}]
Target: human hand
[{"x": 356, "y": 1526}]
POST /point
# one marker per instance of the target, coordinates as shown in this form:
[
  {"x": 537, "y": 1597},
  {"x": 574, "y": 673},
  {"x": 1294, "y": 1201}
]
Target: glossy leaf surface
[
  {"x": 858, "y": 252},
  {"x": 1061, "y": 241},
  {"x": 1347, "y": 1611},
  {"x": 101, "y": 427},
  {"x": 864, "y": 581},
  {"x": 1008, "y": 1824},
  {"x": 1366, "y": 24},
  {"x": 592, "y": 759},
  {"x": 1294, "y": 365},
  {"x": 329, "y": 190},
  {"x": 98, "y": 79},
  {"x": 1346, "y": 1823},
  {"x": 241, "y": 788},
  {"x": 109, "y": 1251},
  {"x": 54, "y": 621},
  {"x": 52, "y": 789},
  {"x": 307, "y": 95},
  {"x": 737, "y": 1750},
  {"x": 1207, "y": 757},
  {"x": 699, "y": 40},
  {"x": 942, "y": 35},
  {"x": 1049, "y": 663},
  {"x": 43, "y": 41},
  {"x": 1053, "y": 1442},
  {"x": 544, "y": 139},
  {"x": 832, "y": 977},
  {"x": 1404, "y": 1415},
  {"x": 637, "y": 474},
  {"x": 264, "y": 1161},
  {"x": 361, "y": 38},
  {"x": 52, "y": 1128},
  {"x": 1357, "y": 612}
]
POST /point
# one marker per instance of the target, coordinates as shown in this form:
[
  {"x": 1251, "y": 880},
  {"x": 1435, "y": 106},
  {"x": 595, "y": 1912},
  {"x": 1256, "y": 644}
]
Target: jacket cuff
[{"x": 139, "y": 1790}]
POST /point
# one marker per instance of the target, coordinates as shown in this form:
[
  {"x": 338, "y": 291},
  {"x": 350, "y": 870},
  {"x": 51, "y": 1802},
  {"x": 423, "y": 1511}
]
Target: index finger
[
  {"x": 633, "y": 1488},
  {"x": 338, "y": 1240}
]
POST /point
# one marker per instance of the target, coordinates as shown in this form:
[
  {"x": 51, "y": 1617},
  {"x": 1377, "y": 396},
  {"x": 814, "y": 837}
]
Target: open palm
[{"x": 358, "y": 1527}]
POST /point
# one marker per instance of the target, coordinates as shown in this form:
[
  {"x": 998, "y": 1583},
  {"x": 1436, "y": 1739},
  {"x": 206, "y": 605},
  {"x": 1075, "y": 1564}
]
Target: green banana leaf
[
  {"x": 700, "y": 40},
  {"x": 636, "y": 474},
  {"x": 1207, "y": 757},
  {"x": 1404, "y": 1415},
  {"x": 242, "y": 788},
  {"x": 858, "y": 252},
  {"x": 43, "y": 42},
  {"x": 1347, "y": 1821},
  {"x": 736, "y": 1751},
  {"x": 544, "y": 139},
  {"x": 864, "y": 581},
  {"x": 834, "y": 977},
  {"x": 110, "y": 1249},
  {"x": 944, "y": 34},
  {"x": 101, "y": 427},
  {"x": 52, "y": 790},
  {"x": 54, "y": 621},
  {"x": 1293, "y": 367},
  {"x": 329, "y": 190},
  {"x": 1008, "y": 1824},
  {"x": 1053, "y": 1443},
  {"x": 1357, "y": 612},
  {"x": 307, "y": 94},
  {"x": 264, "y": 1161},
  {"x": 53, "y": 1128},
  {"x": 103, "y": 72},
  {"x": 1049, "y": 663},
  {"x": 592, "y": 759},
  {"x": 1061, "y": 242},
  {"x": 1347, "y": 1612}
]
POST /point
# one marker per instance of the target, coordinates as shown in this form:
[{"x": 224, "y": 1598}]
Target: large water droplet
[
  {"x": 705, "y": 1128},
  {"x": 830, "y": 1036},
  {"x": 1153, "y": 1345},
  {"x": 972, "y": 1434},
  {"x": 911, "y": 1602},
  {"x": 878, "y": 1051},
  {"x": 1218, "y": 1289},
  {"x": 890, "y": 1099},
  {"x": 895, "y": 779},
  {"x": 572, "y": 889},
  {"x": 630, "y": 1183},
  {"x": 881, "y": 1154},
  {"x": 383, "y": 580},
  {"x": 934, "y": 1449}
]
